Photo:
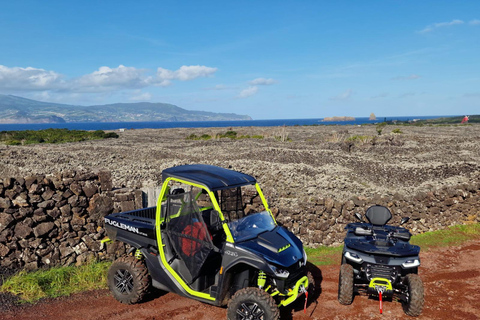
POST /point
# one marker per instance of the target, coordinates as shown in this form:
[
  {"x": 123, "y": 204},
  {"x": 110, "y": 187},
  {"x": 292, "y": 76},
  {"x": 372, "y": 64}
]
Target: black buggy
[
  {"x": 212, "y": 238},
  {"x": 379, "y": 261}
]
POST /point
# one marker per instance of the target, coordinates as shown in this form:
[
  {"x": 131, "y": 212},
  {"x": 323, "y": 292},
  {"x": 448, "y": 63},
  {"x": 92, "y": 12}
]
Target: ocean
[{"x": 198, "y": 124}]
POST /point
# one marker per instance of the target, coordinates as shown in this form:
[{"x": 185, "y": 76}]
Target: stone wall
[
  {"x": 321, "y": 221},
  {"x": 58, "y": 220}
]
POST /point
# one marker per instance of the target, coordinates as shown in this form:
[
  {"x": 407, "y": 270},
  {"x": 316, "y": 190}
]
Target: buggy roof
[{"x": 213, "y": 177}]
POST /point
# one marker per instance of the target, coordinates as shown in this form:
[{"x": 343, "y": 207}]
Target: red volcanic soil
[{"x": 451, "y": 278}]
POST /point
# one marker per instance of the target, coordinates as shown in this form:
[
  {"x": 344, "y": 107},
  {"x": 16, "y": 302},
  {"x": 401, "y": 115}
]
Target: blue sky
[{"x": 267, "y": 59}]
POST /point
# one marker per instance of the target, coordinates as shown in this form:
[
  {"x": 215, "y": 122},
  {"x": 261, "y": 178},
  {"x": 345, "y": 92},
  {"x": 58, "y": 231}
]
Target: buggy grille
[{"x": 381, "y": 271}]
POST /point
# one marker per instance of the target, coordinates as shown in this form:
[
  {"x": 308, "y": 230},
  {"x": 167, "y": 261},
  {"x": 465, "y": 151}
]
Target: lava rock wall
[{"x": 58, "y": 220}]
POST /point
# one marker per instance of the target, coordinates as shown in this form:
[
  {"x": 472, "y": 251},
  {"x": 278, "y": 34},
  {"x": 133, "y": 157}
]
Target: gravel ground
[{"x": 320, "y": 161}]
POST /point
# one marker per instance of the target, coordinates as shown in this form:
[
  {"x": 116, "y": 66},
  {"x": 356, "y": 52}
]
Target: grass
[
  {"x": 52, "y": 136},
  {"x": 64, "y": 281},
  {"x": 451, "y": 236},
  {"x": 57, "y": 281}
]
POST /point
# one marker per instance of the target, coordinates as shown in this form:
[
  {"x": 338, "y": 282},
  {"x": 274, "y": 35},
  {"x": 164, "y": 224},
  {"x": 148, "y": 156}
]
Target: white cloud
[
  {"x": 250, "y": 91},
  {"x": 262, "y": 82},
  {"x": 343, "y": 96},
  {"x": 185, "y": 73},
  {"x": 29, "y": 79},
  {"x": 474, "y": 22},
  {"x": 410, "y": 77},
  {"x": 434, "y": 26},
  {"x": 105, "y": 79}
]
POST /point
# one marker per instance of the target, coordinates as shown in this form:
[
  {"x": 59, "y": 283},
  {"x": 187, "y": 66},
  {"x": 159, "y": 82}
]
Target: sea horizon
[{"x": 203, "y": 124}]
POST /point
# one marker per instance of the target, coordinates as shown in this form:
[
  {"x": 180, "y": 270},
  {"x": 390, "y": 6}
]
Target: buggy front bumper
[{"x": 300, "y": 287}]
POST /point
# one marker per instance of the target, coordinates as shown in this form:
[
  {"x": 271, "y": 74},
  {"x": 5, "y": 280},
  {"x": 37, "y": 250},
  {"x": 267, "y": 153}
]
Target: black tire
[
  {"x": 415, "y": 295},
  {"x": 345, "y": 284},
  {"x": 252, "y": 303},
  {"x": 315, "y": 278},
  {"x": 128, "y": 279}
]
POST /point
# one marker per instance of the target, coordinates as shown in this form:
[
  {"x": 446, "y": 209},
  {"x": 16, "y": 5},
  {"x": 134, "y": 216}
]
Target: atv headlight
[
  {"x": 353, "y": 256},
  {"x": 411, "y": 263},
  {"x": 280, "y": 273}
]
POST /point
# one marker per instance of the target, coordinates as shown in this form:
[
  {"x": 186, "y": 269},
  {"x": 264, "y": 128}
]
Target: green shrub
[
  {"x": 380, "y": 127},
  {"x": 52, "y": 136}
]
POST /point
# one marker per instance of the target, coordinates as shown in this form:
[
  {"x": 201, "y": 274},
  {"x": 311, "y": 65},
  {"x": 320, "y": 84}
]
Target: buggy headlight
[
  {"x": 353, "y": 256},
  {"x": 411, "y": 263},
  {"x": 304, "y": 257},
  {"x": 280, "y": 273}
]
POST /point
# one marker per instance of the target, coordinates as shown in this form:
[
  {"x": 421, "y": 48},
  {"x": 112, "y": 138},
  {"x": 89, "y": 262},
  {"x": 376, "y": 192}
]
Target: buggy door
[{"x": 188, "y": 235}]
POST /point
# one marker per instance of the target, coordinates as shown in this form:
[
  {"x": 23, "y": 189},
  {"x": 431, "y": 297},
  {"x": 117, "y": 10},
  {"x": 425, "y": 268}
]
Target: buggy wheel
[
  {"x": 345, "y": 284},
  {"x": 253, "y": 304},
  {"x": 413, "y": 306},
  {"x": 128, "y": 279}
]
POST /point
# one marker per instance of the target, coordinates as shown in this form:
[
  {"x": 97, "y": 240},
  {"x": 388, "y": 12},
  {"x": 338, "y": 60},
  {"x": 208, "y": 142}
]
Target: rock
[
  {"x": 4, "y": 250},
  {"x": 49, "y": 204},
  {"x": 5, "y": 203},
  {"x": 21, "y": 200},
  {"x": 48, "y": 194},
  {"x": 76, "y": 188},
  {"x": 89, "y": 189},
  {"x": 99, "y": 207},
  {"x": 65, "y": 250},
  {"x": 5, "y": 220},
  {"x": 329, "y": 203},
  {"x": 22, "y": 231},
  {"x": 43, "y": 228}
]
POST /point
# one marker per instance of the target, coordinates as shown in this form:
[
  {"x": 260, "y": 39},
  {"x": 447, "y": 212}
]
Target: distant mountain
[{"x": 15, "y": 109}]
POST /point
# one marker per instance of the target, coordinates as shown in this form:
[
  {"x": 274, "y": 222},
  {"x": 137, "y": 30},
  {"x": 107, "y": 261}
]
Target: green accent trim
[
  {"x": 106, "y": 240},
  {"x": 264, "y": 201},
  {"x": 138, "y": 254},
  {"x": 158, "y": 222},
  {"x": 262, "y": 279},
  {"x": 380, "y": 282},
  {"x": 293, "y": 294},
  {"x": 284, "y": 248}
]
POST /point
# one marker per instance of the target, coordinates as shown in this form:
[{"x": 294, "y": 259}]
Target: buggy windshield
[{"x": 251, "y": 226}]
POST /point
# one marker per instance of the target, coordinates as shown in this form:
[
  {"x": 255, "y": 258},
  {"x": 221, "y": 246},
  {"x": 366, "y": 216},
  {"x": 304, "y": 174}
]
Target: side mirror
[
  {"x": 359, "y": 216},
  {"x": 404, "y": 220}
]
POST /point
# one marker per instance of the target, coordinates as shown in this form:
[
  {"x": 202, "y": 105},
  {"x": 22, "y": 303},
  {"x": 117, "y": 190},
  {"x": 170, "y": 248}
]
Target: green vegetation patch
[
  {"x": 52, "y": 136},
  {"x": 451, "y": 236},
  {"x": 323, "y": 255},
  {"x": 57, "y": 281}
]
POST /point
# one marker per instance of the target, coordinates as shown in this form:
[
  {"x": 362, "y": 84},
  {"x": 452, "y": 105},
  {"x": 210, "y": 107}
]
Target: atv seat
[{"x": 378, "y": 215}]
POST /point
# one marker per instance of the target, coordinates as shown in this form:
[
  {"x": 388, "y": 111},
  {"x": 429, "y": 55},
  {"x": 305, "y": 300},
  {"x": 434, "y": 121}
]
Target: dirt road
[{"x": 452, "y": 288}]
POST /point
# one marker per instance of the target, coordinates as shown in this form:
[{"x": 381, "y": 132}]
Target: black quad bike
[
  {"x": 379, "y": 261},
  {"x": 212, "y": 238}
]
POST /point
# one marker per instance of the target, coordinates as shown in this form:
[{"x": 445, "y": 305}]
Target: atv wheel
[
  {"x": 415, "y": 296},
  {"x": 128, "y": 279},
  {"x": 345, "y": 284},
  {"x": 252, "y": 303}
]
